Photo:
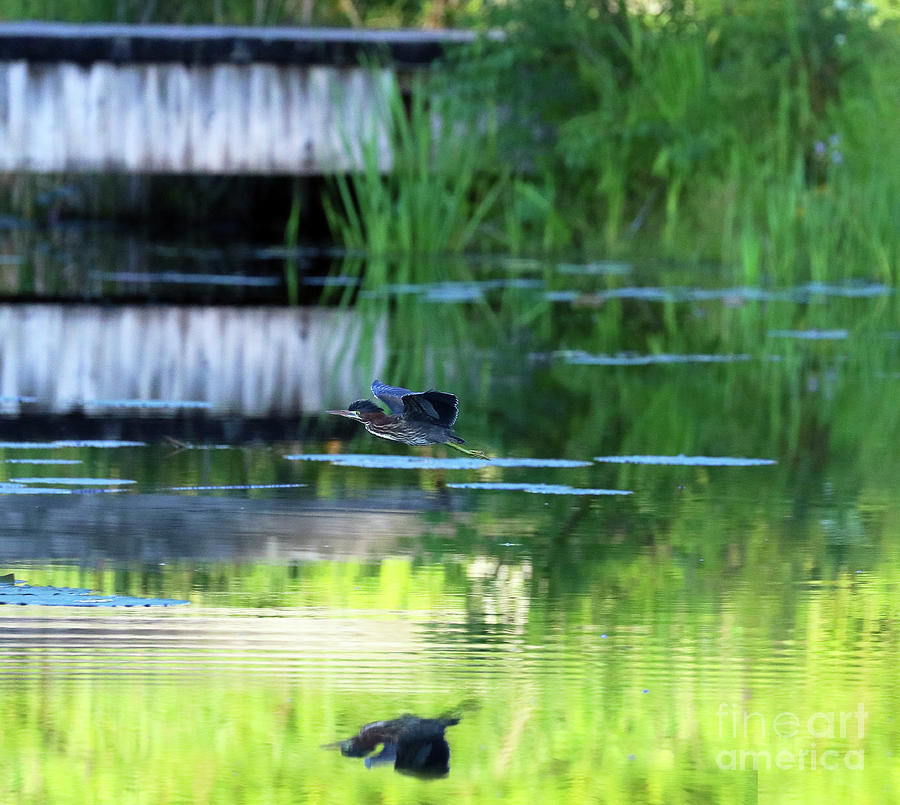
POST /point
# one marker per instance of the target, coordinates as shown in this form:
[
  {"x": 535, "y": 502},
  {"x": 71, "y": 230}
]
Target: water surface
[{"x": 633, "y": 648}]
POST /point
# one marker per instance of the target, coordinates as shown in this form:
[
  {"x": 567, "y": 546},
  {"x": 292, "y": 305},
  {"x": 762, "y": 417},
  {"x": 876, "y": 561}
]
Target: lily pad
[
  {"x": 54, "y": 461},
  {"x": 19, "y": 489},
  {"x": 425, "y": 463},
  {"x": 73, "y": 481},
  {"x": 687, "y": 461},
  {"x": 181, "y": 278},
  {"x": 233, "y": 486},
  {"x": 810, "y": 335},
  {"x": 146, "y": 403},
  {"x": 22, "y": 594},
  {"x": 68, "y": 443},
  {"x": 629, "y": 359},
  {"x": 541, "y": 489}
]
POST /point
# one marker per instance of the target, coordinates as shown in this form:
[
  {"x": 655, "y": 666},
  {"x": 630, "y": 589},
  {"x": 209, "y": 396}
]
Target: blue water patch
[
  {"x": 541, "y": 489},
  {"x": 126, "y": 403},
  {"x": 425, "y": 463},
  {"x": 73, "y": 481},
  {"x": 21, "y": 594},
  {"x": 687, "y": 461},
  {"x": 15, "y": 398},
  {"x": 630, "y": 359},
  {"x": 68, "y": 443},
  {"x": 233, "y": 486},
  {"x": 54, "y": 461},
  {"x": 810, "y": 335}
]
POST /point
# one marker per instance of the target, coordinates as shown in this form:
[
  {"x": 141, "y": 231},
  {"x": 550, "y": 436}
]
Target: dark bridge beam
[{"x": 209, "y": 45}]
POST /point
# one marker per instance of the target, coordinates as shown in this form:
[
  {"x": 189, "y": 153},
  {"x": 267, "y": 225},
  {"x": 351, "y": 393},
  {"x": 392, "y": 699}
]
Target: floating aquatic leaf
[
  {"x": 597, "y": 267},
  {"x": 147, "y": 403},
  {"x": 18, "y": 489},
  {"x": 43, "y": 461},
  {"x": 68, "y": 443},
  {"x": 72, "y": 481},
  {"x": 561, "y": 296},
  {"x": 179, "y": 278},
  {"x": 810, "y": 335},
  {"x": 542, "y": 489},
  {"x": 687, "y": 461},
  {"x": 25, "y": 594},
  {"x": 426, "y": 463},
  {"x": 801, "y": 293},
  {"x": 233, "y": 486},
  {"x": 629, "y": 359},
  {"x": 850, "y": 289},
  {"x": 340, "y": 282},
  {"x": 454, "y": 291}
]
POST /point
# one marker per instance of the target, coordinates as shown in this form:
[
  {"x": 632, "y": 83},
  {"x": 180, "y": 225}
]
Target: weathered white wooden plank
[{"x": 225, "y": 118}]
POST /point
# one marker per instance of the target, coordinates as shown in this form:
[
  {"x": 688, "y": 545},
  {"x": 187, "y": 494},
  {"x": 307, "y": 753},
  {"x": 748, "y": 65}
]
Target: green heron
[{"x": 416, "y": 417}]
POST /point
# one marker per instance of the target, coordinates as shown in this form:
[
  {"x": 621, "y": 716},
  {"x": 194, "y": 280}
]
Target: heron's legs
[{"x": 473, "y": 453}]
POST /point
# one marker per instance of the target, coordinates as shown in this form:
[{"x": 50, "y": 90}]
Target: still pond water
[{"x": 696, "y": 601}]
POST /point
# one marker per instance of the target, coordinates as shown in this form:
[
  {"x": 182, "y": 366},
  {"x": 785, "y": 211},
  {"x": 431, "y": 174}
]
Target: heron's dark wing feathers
[
  {"x": 438, "y": 407},
  {"x": 391, "y": 396}
]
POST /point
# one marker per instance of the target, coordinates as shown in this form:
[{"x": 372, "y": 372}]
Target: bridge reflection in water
[{"x": 246, "y": 361}]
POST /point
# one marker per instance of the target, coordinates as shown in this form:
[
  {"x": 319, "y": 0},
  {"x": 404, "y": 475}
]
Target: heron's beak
[{"x": 348, "y": 414}]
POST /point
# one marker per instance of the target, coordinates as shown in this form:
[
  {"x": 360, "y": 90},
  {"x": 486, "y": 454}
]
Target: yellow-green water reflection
[{"x": 635, "y": 688}]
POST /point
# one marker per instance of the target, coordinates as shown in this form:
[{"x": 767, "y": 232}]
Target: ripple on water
[
  {"x": 373, "y": 461},
  {"x": 687, "y": 461}
]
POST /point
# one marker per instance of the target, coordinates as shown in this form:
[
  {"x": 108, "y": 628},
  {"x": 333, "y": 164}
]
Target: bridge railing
[{"x": 200, "y": 99}]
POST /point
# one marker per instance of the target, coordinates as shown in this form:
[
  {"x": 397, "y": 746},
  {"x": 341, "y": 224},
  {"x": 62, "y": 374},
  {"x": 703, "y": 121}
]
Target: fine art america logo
[{"x": 796, "y": 742}]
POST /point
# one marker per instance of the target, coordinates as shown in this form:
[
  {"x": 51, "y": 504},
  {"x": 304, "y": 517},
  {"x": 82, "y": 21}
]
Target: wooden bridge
[{"x": 200, "y": 99}]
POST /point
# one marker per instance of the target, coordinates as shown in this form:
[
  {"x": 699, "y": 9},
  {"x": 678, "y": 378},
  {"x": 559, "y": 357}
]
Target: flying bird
[{"x": 415, "y": 418}]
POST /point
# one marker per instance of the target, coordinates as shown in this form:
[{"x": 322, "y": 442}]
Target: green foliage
[
  {"x": 748, "y": 134},
  {"x": 373, "y": 13},
  {"x": 430, "y": 199}
]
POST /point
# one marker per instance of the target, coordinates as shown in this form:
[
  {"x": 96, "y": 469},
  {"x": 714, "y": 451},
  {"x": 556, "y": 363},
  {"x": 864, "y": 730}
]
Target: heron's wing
[
  {"x": 437, "y": 407},
  {"x": 391, "y": 396}
]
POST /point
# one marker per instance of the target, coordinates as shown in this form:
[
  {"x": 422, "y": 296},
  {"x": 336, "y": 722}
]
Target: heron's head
[{"x": 358, "y": 410}]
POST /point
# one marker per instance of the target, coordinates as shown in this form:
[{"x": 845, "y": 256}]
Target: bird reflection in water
[{"x": 413, "y": 745}]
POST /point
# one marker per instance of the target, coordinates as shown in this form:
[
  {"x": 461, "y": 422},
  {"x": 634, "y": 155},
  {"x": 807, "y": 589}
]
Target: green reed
[{"x": 431, "y": 199}]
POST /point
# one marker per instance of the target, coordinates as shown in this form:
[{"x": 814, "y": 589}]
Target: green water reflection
[
  {"x": 601, "y": 649},
  {"x": 611, "y": 654}
]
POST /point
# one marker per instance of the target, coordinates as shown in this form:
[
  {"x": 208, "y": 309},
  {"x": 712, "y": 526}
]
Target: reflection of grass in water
[{"x": 579, "y": 639}]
